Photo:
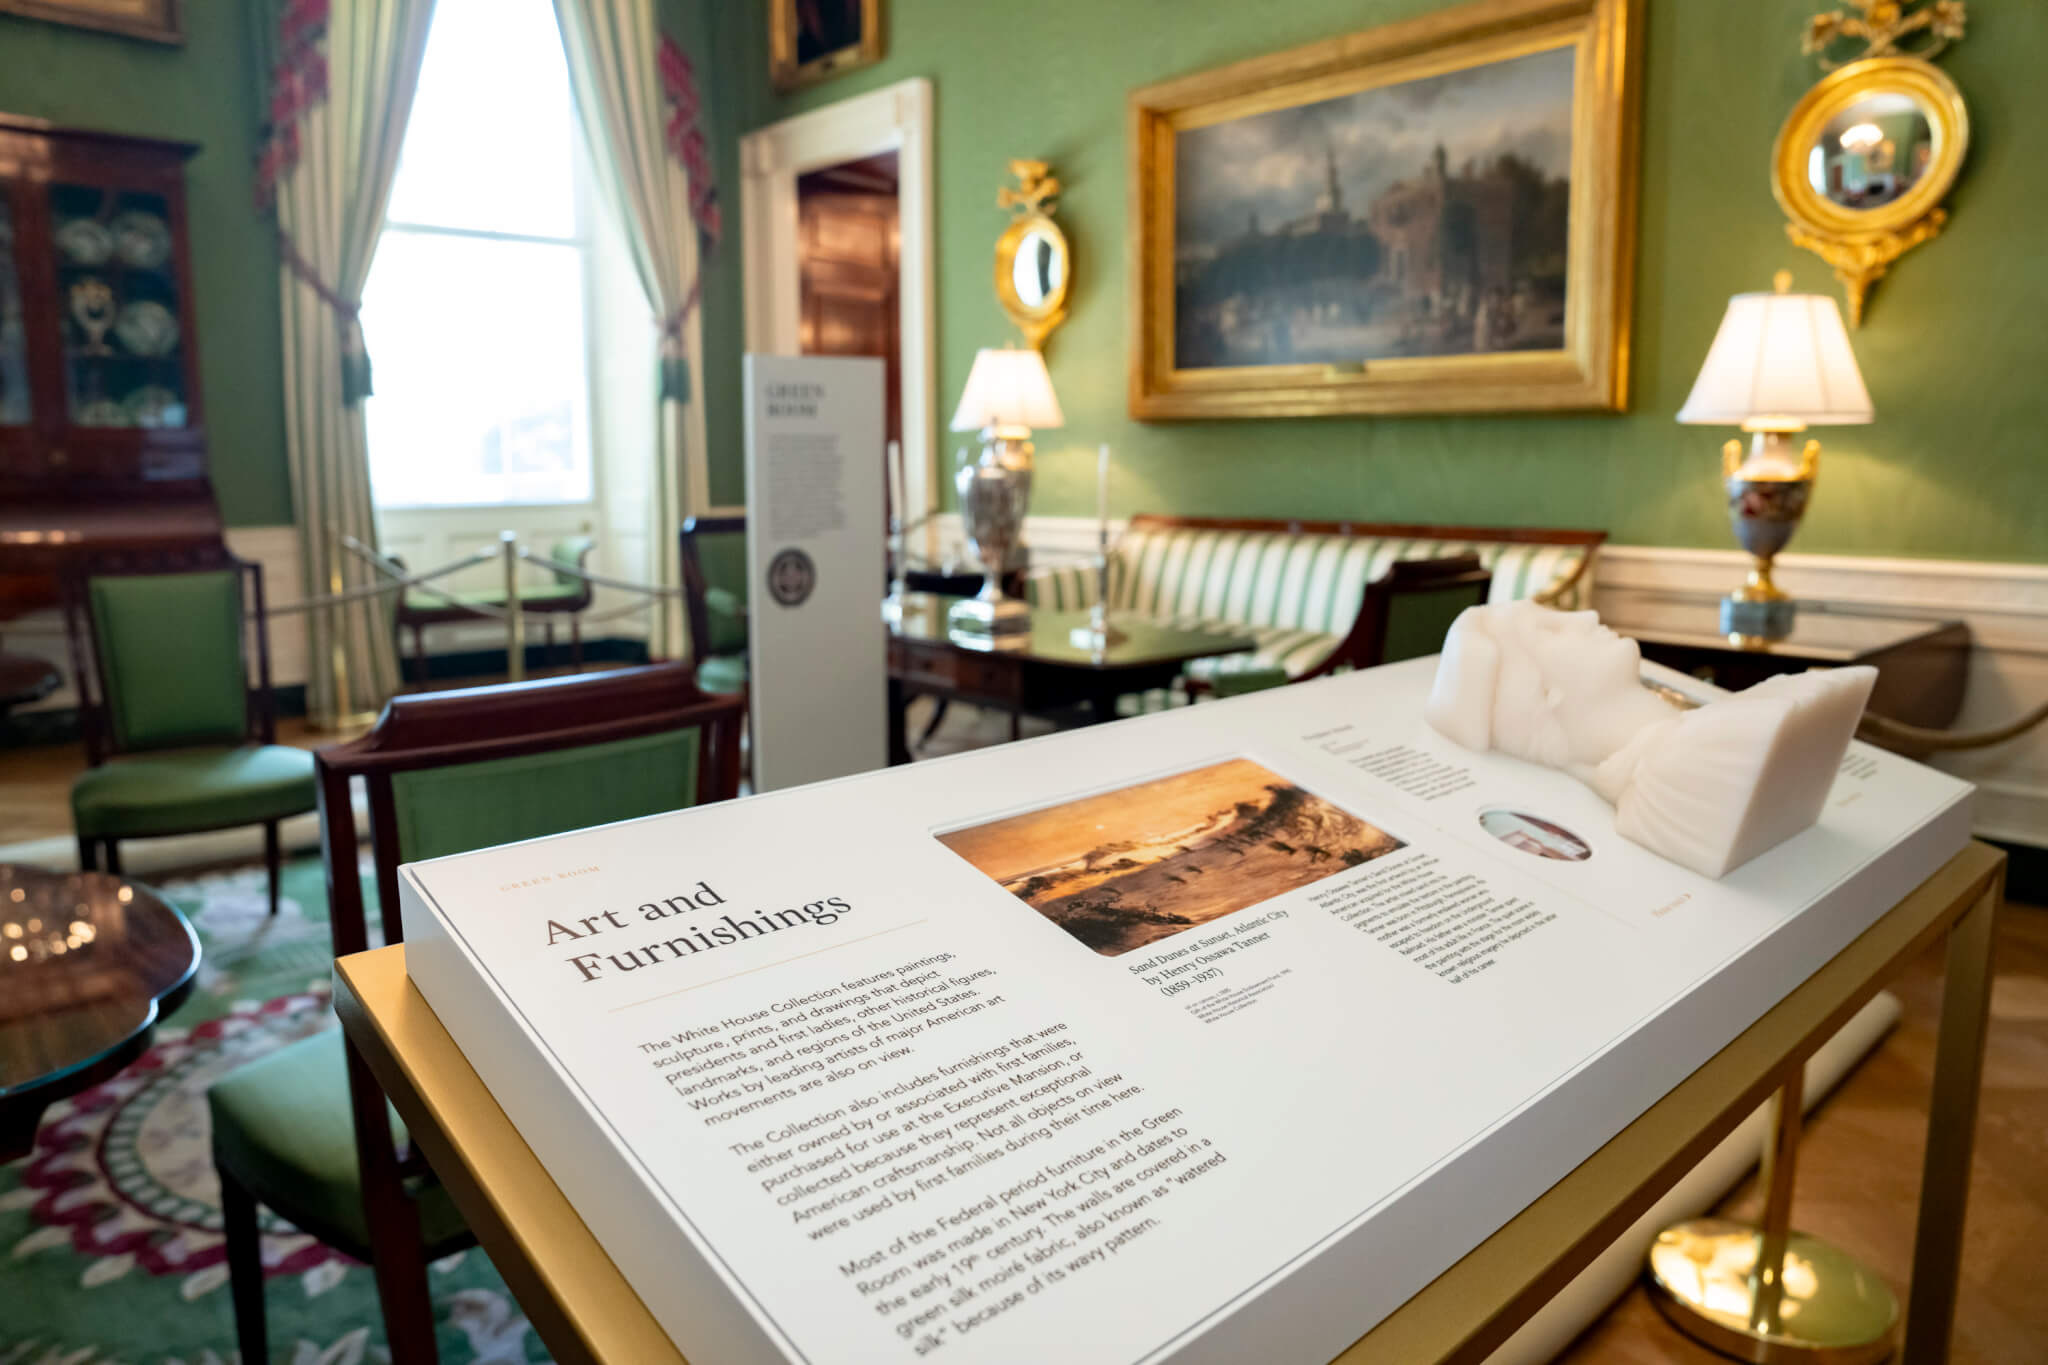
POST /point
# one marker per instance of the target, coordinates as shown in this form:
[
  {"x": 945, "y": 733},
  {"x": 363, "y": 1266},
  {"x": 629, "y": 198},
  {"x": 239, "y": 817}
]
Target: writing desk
[{"x": 583, "y": 1309}]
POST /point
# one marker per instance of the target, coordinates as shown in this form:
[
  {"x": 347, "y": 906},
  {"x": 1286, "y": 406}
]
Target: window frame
[{"x": 584, "y": 207}]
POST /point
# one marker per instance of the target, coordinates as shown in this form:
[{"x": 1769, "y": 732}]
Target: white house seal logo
[{"x": 791, "y": 576}]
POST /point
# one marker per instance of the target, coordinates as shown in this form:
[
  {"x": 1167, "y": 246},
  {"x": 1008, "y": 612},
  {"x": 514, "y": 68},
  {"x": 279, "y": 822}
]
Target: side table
[
  {"x": 1921, "y": 662},
  {"x": 89, "y": 962}
]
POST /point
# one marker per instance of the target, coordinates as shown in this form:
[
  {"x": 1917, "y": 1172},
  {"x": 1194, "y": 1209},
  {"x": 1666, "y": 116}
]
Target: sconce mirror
[
  {"x": 1863, "y": 163},
  {"x": 1034, "y": 265}
]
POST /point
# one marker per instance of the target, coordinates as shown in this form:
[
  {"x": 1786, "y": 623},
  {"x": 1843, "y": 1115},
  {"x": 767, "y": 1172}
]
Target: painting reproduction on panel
[
  {"x": 1436, "y": 216},
  {"x": 1122, "y": 869}
]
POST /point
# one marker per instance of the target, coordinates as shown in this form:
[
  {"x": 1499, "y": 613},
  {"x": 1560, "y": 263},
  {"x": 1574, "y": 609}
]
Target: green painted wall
[
  {"x": 1955, "y": 347},
  {"x": 199, "y": 92}
]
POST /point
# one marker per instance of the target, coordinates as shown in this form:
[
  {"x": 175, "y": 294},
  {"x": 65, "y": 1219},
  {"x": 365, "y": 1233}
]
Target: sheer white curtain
[
  {"x": 617, "y": 64},
  {"x": 339, "y": 96}
]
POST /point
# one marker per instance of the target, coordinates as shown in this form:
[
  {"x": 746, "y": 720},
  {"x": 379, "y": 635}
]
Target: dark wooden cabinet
[{"x": 102, "y": 421}]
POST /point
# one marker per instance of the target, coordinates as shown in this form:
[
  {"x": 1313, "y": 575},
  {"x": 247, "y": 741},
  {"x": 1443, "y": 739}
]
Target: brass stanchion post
[{"x": 515, "y": 619}]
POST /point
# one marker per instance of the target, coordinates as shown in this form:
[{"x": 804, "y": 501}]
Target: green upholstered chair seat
[
  {"x": 723, "y": 674},
  {"x": 281, "y": 1124},
  {"x": 181, "y": 791}
]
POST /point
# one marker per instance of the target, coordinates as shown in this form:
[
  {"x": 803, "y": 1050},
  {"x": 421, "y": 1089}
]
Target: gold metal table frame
[{"x": 584, "y": 1311}]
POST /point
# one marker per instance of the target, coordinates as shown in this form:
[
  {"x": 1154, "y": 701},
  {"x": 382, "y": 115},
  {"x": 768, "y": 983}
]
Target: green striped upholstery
[{"x": 1297, "y": 595}]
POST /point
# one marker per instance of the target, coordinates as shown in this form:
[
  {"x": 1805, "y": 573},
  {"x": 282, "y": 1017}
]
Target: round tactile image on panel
[
  {"x": 791, "y": 576},
  {"x": 1534, "y": 834}
]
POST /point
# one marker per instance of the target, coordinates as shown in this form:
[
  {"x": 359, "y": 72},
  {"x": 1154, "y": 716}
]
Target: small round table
[{"x": 88, "y": 963}]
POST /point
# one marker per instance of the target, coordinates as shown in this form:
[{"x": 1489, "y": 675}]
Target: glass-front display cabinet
[{"x": 102, "y": 431}]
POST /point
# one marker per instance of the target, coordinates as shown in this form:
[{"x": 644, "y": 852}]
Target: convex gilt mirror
[
  {"x": 1034, "y": 265},
  {"x": 1866, "y": 158}
]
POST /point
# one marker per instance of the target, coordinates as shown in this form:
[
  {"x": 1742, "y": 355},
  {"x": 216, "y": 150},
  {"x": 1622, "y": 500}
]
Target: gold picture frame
[
  {"x": 1588, "y": 308},
  {"x": 810, "y": 40},
  {"x": 154, "y": 20}
]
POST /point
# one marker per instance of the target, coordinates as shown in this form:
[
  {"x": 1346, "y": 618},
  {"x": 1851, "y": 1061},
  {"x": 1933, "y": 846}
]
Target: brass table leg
[
  {"x": 1765, "y": 1293},
  {"x": 1951, "y": 1131}
]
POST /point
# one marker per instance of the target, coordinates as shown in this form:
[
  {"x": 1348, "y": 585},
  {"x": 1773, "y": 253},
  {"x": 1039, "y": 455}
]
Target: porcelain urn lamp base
[{"x": 1767, "y": 495}]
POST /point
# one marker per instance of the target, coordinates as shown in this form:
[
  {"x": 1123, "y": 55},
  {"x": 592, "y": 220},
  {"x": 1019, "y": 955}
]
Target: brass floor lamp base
[
  {"x": 1767, "y": 1294},
  {"x": 1832, "y": 1310}
]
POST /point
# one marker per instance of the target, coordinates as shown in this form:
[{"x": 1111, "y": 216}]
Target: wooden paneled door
[{"x": 849, "y": 292}]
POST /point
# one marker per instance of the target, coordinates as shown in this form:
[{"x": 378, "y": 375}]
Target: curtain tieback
[
  {"x": 355, "y": 358},
  {"x": 675, "y": 362}
]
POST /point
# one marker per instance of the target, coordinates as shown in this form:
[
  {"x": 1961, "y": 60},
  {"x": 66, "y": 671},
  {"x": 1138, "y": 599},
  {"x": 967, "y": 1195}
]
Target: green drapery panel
[
  {"x": 330, "y": 213},
  {"x": 612, "y": 47}
]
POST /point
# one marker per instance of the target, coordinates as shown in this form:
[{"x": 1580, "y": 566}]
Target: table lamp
[
  {"x": 1780, "y": 364},
  {"x": 1008, "y": 394}
]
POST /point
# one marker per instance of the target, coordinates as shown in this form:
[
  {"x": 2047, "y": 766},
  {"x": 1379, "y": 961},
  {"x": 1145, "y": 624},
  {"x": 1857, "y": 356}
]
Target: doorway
[
  {"x": 849, "y": 291},
  {"x": 836, "y": 215}
]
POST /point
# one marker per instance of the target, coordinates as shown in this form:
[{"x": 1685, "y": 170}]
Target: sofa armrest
[
  {"x": 1571, "y": 588},
  {"x": 1061, "y": 587}
]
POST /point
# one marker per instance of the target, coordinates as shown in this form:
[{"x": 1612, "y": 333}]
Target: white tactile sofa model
[{"x": 1296, "y": 586}]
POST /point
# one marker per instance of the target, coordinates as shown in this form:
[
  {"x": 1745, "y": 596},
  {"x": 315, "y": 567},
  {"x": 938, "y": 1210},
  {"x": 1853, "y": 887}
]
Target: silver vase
[{"x": 994, "y": 491}]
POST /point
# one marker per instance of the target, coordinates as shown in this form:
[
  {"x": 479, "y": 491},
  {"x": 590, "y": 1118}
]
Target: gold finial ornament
[
  {"x": 1035, "y": 185},
  {"x": 1886, "y": 28}
]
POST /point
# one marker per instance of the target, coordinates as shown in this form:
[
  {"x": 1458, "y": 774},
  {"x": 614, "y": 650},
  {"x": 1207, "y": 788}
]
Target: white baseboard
[{"x": 2004, "y": 605}]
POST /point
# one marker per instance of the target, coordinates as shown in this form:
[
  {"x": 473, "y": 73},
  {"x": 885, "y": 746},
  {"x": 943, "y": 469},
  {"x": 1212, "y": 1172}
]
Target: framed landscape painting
[
  {"x": 156, "y": 20},
  {"x": 1436, "y": 216}
]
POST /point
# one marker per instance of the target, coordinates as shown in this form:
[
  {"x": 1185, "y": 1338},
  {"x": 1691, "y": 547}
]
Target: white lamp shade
[
  {"x": 1008, "y": 388},
  {"x": 1779, "y": 361}
]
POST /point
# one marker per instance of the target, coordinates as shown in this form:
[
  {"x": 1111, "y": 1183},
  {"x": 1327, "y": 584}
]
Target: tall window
[{"x": 475, "y": 307}]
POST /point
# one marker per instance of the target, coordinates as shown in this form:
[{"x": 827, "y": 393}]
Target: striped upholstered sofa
[{"x": 1296, "y": 587}]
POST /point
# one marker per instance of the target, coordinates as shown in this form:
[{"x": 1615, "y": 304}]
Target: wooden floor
[
  {"x": 1859, "y": 1170},
  {"x": 1859, "y": 1167}
]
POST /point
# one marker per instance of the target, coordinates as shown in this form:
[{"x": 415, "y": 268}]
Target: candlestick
[
  {"x": 892, "y": 605},
  {"x": 1102, "y": 495},
  {"x": 1099, "y": 634}
]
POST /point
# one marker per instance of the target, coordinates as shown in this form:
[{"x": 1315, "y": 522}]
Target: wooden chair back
[
  {"x": 169, "y": 650},
  {"x": 706, "y": 550},
  {"x": 446, "y": 772}
]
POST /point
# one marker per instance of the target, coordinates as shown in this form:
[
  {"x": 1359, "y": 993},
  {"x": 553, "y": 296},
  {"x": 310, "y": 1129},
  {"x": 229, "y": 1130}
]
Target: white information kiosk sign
[
  {"x": 817, "y": 661},
  {"x": 1209, "y": 1036}
]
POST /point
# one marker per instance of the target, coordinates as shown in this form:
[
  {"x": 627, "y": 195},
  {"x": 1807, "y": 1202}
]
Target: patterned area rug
[{"x": 110, "y": 1241}]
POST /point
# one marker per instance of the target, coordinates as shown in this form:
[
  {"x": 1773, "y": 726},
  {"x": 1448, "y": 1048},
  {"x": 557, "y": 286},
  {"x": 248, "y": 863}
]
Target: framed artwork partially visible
[
  {"x": 809, "y": 40},
  {"x": 1435, "y": 216},
  {"x": 156, "y": 20}
]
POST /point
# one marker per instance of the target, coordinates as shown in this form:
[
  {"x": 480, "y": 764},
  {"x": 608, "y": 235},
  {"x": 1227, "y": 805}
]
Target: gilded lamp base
[
  {"x": 1758, "y": 612},
  {"x": 1828, "y": 1308}
]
